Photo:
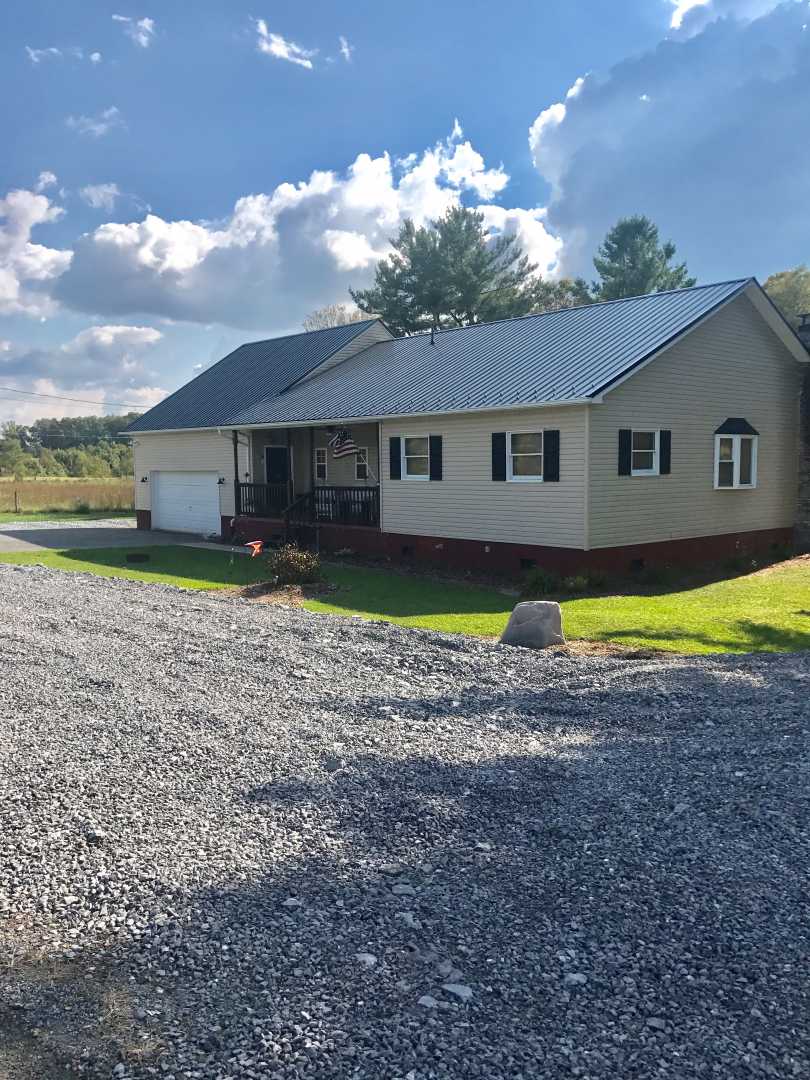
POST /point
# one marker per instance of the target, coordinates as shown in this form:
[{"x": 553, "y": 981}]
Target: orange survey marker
[{"x": 256, "y": 546}]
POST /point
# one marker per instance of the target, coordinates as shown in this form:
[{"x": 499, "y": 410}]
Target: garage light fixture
[{"x": 144, "y": 479}]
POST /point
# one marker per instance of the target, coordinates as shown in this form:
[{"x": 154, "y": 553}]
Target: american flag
[{"x": 342, "y": 444}]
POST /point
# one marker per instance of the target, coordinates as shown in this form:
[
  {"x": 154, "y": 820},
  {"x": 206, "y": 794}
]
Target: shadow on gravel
[{"x": 666, "y": 873}]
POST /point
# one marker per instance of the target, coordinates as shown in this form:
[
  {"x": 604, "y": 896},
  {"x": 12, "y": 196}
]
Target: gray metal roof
[
  {"x": 250, "y": 374},
  {"x": 558, "y": 356}
]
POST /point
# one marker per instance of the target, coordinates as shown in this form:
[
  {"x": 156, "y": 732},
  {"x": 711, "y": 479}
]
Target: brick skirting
[
  {"x": 143, "y": 519},
  {"x": 509, "y": 559}
]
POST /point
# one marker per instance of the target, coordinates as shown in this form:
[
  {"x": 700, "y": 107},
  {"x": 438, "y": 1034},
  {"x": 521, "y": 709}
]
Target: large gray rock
[{"x": 535, "y": 624}]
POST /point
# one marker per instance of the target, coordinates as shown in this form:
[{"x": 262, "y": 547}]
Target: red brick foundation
[
  {"x": 143, "y": 519},
  {"x": 512, "y": 559}
]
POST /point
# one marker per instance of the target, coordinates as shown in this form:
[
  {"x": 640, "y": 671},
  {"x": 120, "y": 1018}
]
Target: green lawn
[
  {"x": 7, "y": 516},
  {"x": 768, "y": 612},
  {"x": 191, "y": 568}
]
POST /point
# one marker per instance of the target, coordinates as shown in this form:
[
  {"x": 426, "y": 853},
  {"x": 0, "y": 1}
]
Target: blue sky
[{"x": 179, "y": 178}]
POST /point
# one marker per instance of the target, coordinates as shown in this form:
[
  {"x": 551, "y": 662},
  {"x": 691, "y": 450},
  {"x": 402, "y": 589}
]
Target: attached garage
[{"x": 186, "y": 502}]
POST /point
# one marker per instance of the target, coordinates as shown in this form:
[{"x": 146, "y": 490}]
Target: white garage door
[{"x": 186, "y": 502}]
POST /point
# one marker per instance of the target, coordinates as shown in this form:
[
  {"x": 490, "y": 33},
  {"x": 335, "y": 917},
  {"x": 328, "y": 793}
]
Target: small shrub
[
  {"x": 735, "y": 564},
  {"x": 291, "y": 565},
  {"x": 656, "y": 576},
  {"x": 597, "y": 579},
  {"x": 83, "y": 507},
  {"x": 539, "y": 582},
  {"x": 780, "y": 551},
  {"x": 576, "y": 584}
]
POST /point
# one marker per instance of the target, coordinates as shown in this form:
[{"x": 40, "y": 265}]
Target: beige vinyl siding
[
  {"x": 193, "y": 451},
  {"x": 468, "y": 503},
  {"x": 732, "y": 365}
]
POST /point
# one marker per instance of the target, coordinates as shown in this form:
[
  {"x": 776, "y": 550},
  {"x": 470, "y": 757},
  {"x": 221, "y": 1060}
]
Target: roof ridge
[
  {"x": 306, "y": 333},
  {"x": 581, "y": 307}
]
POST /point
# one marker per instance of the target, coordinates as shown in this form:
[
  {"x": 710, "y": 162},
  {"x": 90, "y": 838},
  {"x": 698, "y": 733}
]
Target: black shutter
[
  {"x": 395, "y": 457},
  {"x": 498, "y": 455},
  {"x": 435, "y": 451},
  {"x": 625, "y": 452},
  {"x": 665, "y": 452},
  {"x": 551, "y": 456}
]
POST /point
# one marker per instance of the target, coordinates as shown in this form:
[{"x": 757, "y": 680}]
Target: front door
[{"x": 277, "y": 464}]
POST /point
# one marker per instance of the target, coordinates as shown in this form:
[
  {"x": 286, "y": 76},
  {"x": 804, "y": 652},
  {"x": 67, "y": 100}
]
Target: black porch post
[
  {"x": 312, "y": 459},
  {"x": 237, "y": 494},
  {"x": 290, "y": 488}
]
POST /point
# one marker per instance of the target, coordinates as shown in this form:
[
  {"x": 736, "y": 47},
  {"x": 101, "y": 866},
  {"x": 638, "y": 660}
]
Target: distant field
[{"x": 64, "y": 493}]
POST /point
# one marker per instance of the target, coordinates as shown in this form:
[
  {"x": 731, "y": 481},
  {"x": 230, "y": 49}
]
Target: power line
[{"x": 61, "y": 397}]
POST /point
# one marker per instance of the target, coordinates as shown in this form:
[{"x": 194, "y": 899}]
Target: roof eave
[{"x": 596, "y": 399}]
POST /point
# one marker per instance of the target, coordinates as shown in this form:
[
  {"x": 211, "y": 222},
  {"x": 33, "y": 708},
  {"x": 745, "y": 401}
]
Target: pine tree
[
  {"x": 453, "y": 273},
  {"x": 631, "y": 261}
]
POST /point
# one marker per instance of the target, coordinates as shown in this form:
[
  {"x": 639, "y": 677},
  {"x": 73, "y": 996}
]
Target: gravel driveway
[
  {"x": 56, "y": 535},
  {"x": 240, "y": 841}
]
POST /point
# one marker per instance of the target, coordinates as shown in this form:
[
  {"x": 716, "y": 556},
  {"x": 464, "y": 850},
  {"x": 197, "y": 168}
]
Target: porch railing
[
  {"x": 326, "y": 504},
  {"x": 263, "y": 500},
  {"x": 346, "y": 505}
]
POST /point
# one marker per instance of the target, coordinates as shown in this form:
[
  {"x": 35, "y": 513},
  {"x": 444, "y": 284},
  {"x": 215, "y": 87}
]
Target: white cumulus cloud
[
  {"x": 100, "y": 196},
  {"x": 97, "y": 126},
  {"x": 279, "y": 255},
  {"x": 275, "y": 45},
  {"x": 346, "y": 50},
  {"x": 140, "y": 31},
  {"x": 27, "y": 269}
]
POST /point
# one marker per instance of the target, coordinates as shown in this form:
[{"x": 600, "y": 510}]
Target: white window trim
[
  {"x": 361, "y": 456},
  {"x": 325, "y": 451},
  {"x": 656, "y": 469},
  {"x": 404, "y": 460},
  {"x": 510, "y": 476},
  {"x": 736, "y": 458}
]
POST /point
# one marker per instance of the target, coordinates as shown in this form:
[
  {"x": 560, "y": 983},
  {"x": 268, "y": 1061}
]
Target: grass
[
  {"x": 63, "y": 515},
  {"x": 65, "y": 493},
  {"x": 767, "y": 611},
  {"x": 190, "y": 568}
]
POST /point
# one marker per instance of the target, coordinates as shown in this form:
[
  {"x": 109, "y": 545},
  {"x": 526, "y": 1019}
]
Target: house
[{"x": 662, "y": 427}]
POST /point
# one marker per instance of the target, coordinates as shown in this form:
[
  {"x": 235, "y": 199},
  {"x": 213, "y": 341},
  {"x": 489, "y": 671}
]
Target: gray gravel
[
  {"x": 240, "y": 841},
  {"x": 69, "y": 523}
]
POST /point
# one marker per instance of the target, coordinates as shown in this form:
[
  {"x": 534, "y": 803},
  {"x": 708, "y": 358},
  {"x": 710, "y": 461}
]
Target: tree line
[
  {"x": 76, "y": 446},
  {"x": 451, "y": 273}
]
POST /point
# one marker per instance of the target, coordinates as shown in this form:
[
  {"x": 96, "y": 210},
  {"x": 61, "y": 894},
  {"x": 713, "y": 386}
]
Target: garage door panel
[{"x": 186, "y": 502}]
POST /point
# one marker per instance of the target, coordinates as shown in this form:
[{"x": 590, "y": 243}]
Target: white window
[
  {"x": 645, "y": 453},
  {"x": 524, "y": 457},
  {"x": 735, "y": 461},
  {"x": 361, "y": 463},
  {"x": 321, "y": 459},
  {"x": 416, "y": 457}
]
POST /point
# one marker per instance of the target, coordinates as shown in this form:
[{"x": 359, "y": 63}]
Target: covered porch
[{"x": 297, "y": 477}]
